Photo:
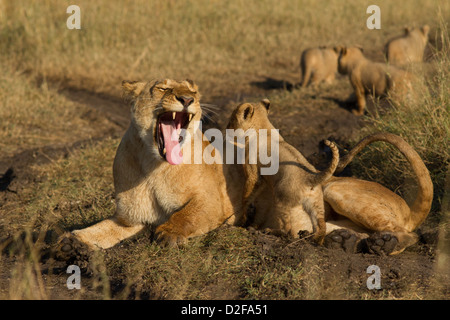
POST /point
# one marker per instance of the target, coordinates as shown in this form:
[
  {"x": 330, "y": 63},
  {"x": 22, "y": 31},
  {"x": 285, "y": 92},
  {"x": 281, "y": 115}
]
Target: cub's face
[
  {"x": 160, "y": 110},
  {"x": 422, "y": 33}
]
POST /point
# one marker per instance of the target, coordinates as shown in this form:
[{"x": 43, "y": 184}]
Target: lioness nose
[{"x": 185, "y": 101}]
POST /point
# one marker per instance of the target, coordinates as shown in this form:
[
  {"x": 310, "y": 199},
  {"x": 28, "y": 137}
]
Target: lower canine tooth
[
  {"x": 164, "y": 151},
  {"x": 173, "y": 115}
]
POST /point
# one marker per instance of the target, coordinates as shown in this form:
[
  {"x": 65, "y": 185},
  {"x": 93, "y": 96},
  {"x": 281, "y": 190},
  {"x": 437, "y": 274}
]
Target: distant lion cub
[
  {"x": 295, "y": 191},
  {"x": 318, "y": 64},
  {"x": 368, "y": 77},
  {"x": 408, "y": 47}
]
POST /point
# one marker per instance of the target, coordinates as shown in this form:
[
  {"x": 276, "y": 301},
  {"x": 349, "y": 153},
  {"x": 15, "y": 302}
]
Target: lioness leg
[
  {"x": 375, "y": 208},
  {"x": 76, "y": 247},
  {"x": 106, "y": 233},
  {"x": 192, "y": 220}
]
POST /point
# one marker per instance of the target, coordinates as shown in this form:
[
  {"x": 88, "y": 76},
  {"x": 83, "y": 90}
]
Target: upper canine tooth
[
  {"x": 173, "y": 115},
  {"x": 190, "y": 116}
]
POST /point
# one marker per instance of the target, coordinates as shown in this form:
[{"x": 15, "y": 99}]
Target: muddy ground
[{"x": 319, "y": 114}]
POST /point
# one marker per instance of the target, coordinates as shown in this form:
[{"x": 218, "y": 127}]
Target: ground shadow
[
  {"x": 274, "y": 84},
  {"x": 348, "y": 104},
  {"x": 6, "y": 179}
]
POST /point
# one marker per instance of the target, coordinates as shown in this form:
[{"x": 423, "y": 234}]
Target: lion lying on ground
[
  {"x": 358, "y": 213},
  {"x": 318, "y": 64},
  {"x": 153, "y": 185},
  {"x": 295, "y": 191},
  {"x": 368, "y": 77},
  {"x": 375, "y": 212},
  {"x": 407, "y": 48}
]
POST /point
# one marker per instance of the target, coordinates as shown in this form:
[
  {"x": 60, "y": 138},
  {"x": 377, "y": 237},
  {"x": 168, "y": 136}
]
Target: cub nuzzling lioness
[{"x": 295, "y": 190}]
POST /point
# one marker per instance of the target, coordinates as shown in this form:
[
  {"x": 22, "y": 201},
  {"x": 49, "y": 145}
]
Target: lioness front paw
[
  {"x": 168, "y": 238},
  {"x": 341, "y": 239},
  {"x": 72, "y": 251},
  {"x": 382, "y": 243}
]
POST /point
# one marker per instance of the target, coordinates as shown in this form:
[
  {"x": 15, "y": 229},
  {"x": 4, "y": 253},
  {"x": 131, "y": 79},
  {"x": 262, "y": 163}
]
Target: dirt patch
[{"x": 237, "y": 263}]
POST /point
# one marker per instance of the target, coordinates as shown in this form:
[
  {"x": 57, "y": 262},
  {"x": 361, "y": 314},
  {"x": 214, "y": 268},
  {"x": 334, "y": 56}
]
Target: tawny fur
[
  {"x": 295, "y": 190},
  {"x": 318, "y": 65},
  {"x": 407, "y": 48},
  {"x": 374, "y": 78},
  {"x": 181, "y": 201},
  {"x": 376, "y": 208}
]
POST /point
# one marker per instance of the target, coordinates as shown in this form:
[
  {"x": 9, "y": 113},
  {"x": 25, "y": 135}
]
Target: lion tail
[
  {"x": 326, "y": 174},
  {"x": 422, "y": 203}
]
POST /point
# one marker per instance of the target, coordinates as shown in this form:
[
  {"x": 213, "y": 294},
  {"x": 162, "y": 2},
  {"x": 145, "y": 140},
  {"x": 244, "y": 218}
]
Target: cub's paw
[
  {"x": 72, "y": 251},
  {"x": 382, "y": 243},
  {"x": 342, "y": 239},
  {"x": 168, "y": 238}
]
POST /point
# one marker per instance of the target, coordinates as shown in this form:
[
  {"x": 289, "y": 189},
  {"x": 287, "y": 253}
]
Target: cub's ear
[
  {"x": 360, "y": 48},
  {"x": 407, "y": 30},
  {"x": 425, "y": 29},
  {"x": 131, "y": 89},
  {"x": 266, "y": 104},
  {"x": 248, "y": 112}
]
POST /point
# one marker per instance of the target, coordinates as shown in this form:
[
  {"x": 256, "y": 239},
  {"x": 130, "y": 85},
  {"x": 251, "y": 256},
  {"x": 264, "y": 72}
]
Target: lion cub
[
  {"x": 368, "y": 77},
  {"x": 407, "y": 48},
  {"x": 318, "y": 64},
  {"x": 295, "y": 190}
]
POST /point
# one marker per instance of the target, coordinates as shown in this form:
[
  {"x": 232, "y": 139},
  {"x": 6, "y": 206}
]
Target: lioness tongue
[{"x": 171, "y": 141}]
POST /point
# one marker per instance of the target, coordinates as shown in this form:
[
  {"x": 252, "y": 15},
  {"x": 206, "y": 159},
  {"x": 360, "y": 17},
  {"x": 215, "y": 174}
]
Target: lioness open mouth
[{"x": 168, "y": 135}]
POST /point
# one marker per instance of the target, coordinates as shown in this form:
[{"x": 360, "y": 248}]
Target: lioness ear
[
  {"x": 360, "y": 48},
  {"x": 131, "y": 89},
  {"x": 407, "y": 30},
  {"x": 192, "y": 85},
  {"x": 266, "y": 104},
  {"x": 425, "y": 29},
  {"x": 343, "y": 50}
]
